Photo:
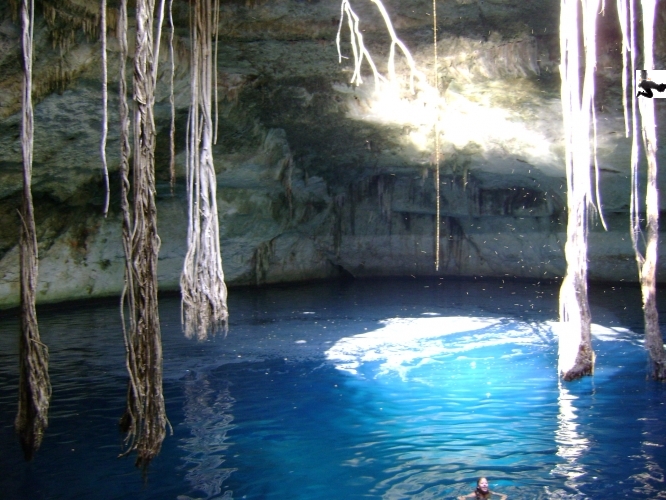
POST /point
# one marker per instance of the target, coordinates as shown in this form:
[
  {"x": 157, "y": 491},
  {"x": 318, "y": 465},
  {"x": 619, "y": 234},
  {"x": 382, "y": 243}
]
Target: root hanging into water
[
  {"x": 204, "y": 293},
  {"x": 648, "y": 263},
  {"x": 34, "y": 383},
  {"x": 145, "y": 418},
  {"x": 646, "y": 258},
  {"x": 577, "y": 114}
]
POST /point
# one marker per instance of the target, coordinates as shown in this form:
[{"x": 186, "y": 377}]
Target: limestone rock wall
[{"x": 316, "y": 178}]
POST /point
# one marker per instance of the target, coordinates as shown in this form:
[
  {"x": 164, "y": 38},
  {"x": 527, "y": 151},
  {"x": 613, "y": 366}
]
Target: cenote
[{"x": 385, "y": 389}]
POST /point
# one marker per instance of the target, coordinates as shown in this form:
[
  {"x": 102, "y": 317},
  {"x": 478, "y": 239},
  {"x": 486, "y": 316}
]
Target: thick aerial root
[{"x": 203, "y": 291}]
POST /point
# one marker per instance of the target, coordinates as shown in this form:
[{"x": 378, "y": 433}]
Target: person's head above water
[
  {"x": 482, "y": 486},
  {"x": 482, "y": 491}
]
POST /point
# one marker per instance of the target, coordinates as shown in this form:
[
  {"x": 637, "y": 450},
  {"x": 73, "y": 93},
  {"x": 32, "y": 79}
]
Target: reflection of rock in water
[{"x": 208, "y": 414}]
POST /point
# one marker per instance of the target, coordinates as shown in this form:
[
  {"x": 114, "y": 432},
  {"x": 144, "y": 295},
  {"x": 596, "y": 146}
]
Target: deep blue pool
[{"x": 388, "y": 389}]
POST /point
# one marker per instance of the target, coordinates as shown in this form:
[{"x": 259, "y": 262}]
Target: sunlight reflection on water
[{"x": 361, "y": 391}]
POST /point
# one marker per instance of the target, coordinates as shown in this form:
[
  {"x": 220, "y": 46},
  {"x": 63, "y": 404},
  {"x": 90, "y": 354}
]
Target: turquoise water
[{"x": 386, "y": 389}]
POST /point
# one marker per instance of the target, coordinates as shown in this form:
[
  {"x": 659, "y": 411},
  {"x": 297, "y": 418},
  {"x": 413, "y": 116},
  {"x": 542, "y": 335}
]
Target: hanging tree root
[
  {"x": 644, "y": 226},
  {"x": 204, "y": 293},
  {"x": 578, "y": 118},
  {"x": 34, "y": 384},
  {"x": 145, "y": 418}
]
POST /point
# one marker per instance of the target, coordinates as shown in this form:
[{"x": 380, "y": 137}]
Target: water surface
[{"x": 388, "y": 389}]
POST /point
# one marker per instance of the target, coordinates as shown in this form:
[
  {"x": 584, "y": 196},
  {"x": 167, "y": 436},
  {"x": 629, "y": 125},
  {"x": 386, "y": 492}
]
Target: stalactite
[
  {"x": 262, "y": 261},
  {"x": 285, "y": 171},
  {"x": 67, "y": 18},
  {"x": 34, "y": 384},
  {"x": 204, "y": 293},
  {"x": 647, "y": 259},
  {"x": 575, "y": 337},
  {"x": 145, "y": 418}
]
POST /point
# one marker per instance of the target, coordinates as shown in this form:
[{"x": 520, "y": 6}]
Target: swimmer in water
[{"x": 482, "y": 492}]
